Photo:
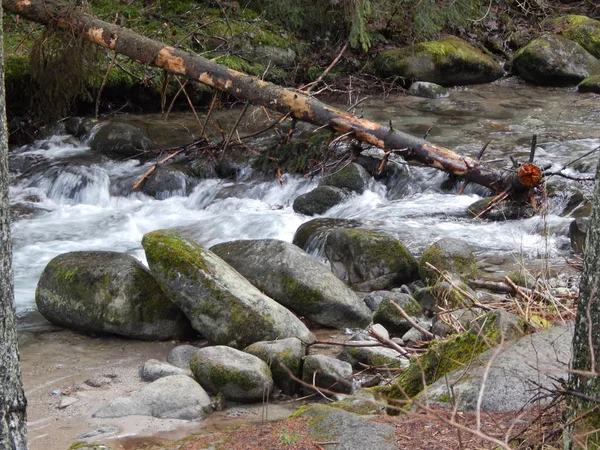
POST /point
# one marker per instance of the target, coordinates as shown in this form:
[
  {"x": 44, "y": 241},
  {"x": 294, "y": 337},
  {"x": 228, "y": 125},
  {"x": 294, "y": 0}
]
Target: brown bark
[
  {"x": 13, "y": 420},
  {"x": 298, "y": 104}
]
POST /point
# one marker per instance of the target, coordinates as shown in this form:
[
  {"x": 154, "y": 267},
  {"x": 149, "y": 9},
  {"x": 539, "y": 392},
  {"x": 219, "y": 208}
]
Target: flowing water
[{"x": 78, "y": 200}]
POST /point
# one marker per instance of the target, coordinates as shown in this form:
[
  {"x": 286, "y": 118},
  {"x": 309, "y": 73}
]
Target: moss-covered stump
[
  {"x": 319, "y": 200},
  {"x": 448, "y": 62},
  {"x": 108, "y": 292},
  {"x": 581, "y": 29},
  {"x": 388, "y": 316},
  {"x": 352, "y": 177},
  {"x": 327, "y": 373},
  {"x": 239, "y": 376},
  {"x": 282, "y": 356},
  {"x": 555, "y": 60},
  {"x": 443, "y": 357},
  {"x": 450, "y": 255},
  {"x": 590, "y": 84},
  {"x": 369, "y": 260},
  {"x": 221, "y": 304},
  {"x": 294, "y": 279},
  {"x": 311, "y": 235}
]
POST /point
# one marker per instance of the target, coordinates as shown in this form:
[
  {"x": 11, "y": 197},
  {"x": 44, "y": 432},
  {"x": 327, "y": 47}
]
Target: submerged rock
[
  {"x": 222, "y": 305},
  {"x": 319, "y": 200},
  {"x": 352, "y": 177},
  {"x": 448, "y": 62},
  {"x": 555, "y": 60},
  {"x": 427, "y": 90},
  {"x": 291, "y": 277},
  {"x": 172, "y": 397},
  {"x": 108, "y": 292},
  {"x": 119, "y": 140},
  {"x": 281, "y": 356},
  {"x": 369, "y": 260},
  {"x": 239, "y": 376},
  {"x": 450, "y": 255}
]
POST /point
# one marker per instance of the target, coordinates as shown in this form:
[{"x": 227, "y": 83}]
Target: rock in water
[
  {"x": 108, "y": 292},
  {"x": 290, "y": 276},
  {"x": 221, "y": 304}
]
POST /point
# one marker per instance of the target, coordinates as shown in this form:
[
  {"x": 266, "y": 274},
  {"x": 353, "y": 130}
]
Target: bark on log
[{"x": 301, "y": 106}]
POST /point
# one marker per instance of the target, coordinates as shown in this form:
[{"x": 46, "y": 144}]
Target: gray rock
[
  {"x": 311, "y": 235},
  {"x": 380, "y": 357},
  {"x": 118, "y": 139},
  {"x": 154, "y": 369},
  {"x": 449, "y": 62},
  {"x": 450, "y": 255},
  {"x": 352, "y": 177},
  {"x": 240, "y": 376},
  {"x": 107, "y": 292},
  {"x": 578, "y": 232},
  {"x": 318, "y": 200},
  {"x": 349, "y": 431},
  {"x": 294, "y": 279},
  {"x": 462, "y": 317},
  {"x": 369, "y": 260},
  {"x": 268, "y": 54},
  {"x": 555, "y": 60},
  {"x": 281, "y": 355},
  {"x": 388, "y": 316},
  {"x": 174, "y": 397},
  {"x": 374, "y": 299},
  {"x": 328, "y": 373},
  {"x": 521, "y": 371},
  {"x": 222, "y": 305},
  {"x": 180, "y": 356},
  {"x": 506, "y": 326},
  {"x": 427, "y": 90},
  {"x": 413, "y": 335}
]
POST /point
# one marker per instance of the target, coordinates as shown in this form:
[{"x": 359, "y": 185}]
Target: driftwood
[{"x": 299, "y": 105}]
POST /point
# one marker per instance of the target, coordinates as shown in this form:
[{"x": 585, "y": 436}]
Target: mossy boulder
[
  {"x": 352, "y": 177},
  {"x": 590, "y": 84},
  {"x": 555, "y": 60},
  {"x": 311, "y": 235},
  {"x": 369, "y": 260},
  {"x": 119, "y": 140},
  {"x": 239, "y": 376},
  {"x": 327, "y": 372},
  {"x": 319, "y": 200},
  {"x": 450, "y": 255},
  {"x": 108, "y": 292},
  {"x": 388, "y": 316},
  {"x": 448, "y": 62},
  {"x": 281, "y": 356},
  {"x": 221, "y": 304},
  {"x": 581, "y": 29},
  {"x": 294, "y": 279}
]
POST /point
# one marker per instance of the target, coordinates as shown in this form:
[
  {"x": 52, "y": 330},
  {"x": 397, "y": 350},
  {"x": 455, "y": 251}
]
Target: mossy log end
[{"x": 286, "y": 101}]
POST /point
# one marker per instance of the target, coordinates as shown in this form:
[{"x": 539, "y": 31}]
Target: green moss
[
  {"x": 463, "y": 266},
  {"x": 590, "y": 84},
  {"x": 87, "y": 446},
  {"x": 445, "y": 398},
  {"x": 309, "y": 298},
  {"x": 581, "y": 29},
  {"x": 221, "y": 376}
]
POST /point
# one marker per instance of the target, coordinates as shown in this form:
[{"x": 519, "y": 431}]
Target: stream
[{"x": 82, "y": 205}]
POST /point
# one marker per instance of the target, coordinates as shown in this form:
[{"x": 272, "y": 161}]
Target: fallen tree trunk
[{"x": 286, "y": 101}]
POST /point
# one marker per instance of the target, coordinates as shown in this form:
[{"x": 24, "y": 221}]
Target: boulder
[
  {"x": 119, "y": 140},
  {"x": 374, "y": 299},
  {"x": 173, "y": 397},
  {"x": 581, "y": 29},
  {"x": 388, "y": 316},
  {"x": 294, "y": 279},
  {"x": 311, "y": 235},
  {"x": 555, "y": 60},
  {"x": 349, "y": 431},
  {"x": 318, "y": 200},
  {"x": 369, "y": 260},
  {"x": 427, "y": 90},
  {"x": 153, "y": 369},
  {"x": 180, "y": 356},
  {"x": 239, "y": 376},
  {"x": 448, "y": 62},
  {"x": 380, "y": 357},
  {"x": 165, "y": 182},
  {"x": 590, "y": 84},
  {"x": 222, "y": 305},
  {"x": 578, "y": 232},
  {"x": 279, "y": 355},
  {"x": 450, "y": 255},
  {"x": 522, "y": 373},
  {"x": 108, "y": 292},
  {"x": 463, "y": 317},
  {"x": 351, "y": 177},
  {"x": 501, "y": 211},
  {"x": 327, "y": 373}
]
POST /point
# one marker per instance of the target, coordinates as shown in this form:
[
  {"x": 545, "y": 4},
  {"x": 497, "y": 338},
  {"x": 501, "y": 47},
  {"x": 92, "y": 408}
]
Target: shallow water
[{"x": 82, "y": 205}]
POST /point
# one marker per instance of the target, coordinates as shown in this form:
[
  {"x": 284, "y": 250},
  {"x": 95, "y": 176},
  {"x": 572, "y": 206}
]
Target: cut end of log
[{"x": 530, "y": 175}]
